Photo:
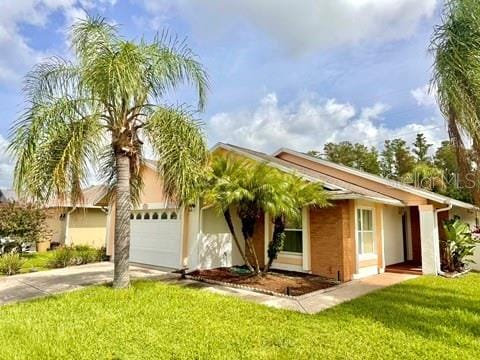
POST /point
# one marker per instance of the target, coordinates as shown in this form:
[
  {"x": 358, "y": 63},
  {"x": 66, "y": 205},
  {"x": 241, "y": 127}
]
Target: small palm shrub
[
  {"x": 11, "y": 263},
  {"x": 459, "y": 245},
  {"x": 62, "y": 257}
]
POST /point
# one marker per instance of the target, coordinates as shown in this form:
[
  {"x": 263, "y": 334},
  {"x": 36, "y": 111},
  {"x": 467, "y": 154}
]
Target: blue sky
[{"x": 281, "y": 74}]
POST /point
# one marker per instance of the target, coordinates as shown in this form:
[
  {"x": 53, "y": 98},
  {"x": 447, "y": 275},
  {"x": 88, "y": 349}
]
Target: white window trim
[{"x": 366, "y": 256}]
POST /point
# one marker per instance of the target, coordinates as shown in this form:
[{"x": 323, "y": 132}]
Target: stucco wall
[
  {"x": 87, "y": 227},
  {"x": 393, "y": 235},
  {"x": 56, "y": 225}
]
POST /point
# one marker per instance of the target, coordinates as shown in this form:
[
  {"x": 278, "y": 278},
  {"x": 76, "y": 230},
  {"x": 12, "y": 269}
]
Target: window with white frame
[
  {"x": 293, "y": 236},
  {"x": 365, "y": 231}
]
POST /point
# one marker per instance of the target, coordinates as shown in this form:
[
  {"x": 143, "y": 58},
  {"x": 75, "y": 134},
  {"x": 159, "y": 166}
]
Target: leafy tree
[
  {"x": 355, "y": 155},
  {"x": 101, "y": 109},
  {"x": 420, "y": 148},
  {"x": 456, "y": 70},
  {"x": 426, "y": 176},
  {"x": 445, "y": 159},
  {"x": 24, "y": 223},
  {"x": 396, "y": 160},
  {"x": 293, "y": 193}
]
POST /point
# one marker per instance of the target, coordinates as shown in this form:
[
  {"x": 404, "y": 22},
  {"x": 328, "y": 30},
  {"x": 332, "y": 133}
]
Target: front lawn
[
  {"x": 36, "y": 261},
  {"x": 428, "y": 317}
]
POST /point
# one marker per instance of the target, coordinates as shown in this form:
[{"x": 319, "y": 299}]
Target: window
[
  {"x": 173, "y": 216},
  {"x": 293, "y": 236},
  {"x": 164, "y": 216},
  {"x": 132, "y": 216},
  {"x": 155, "y": 216},
  {"x": 365, "y": 235},
  {"x": 146, "y": 216},
  {"x": 139, "y": 216}
]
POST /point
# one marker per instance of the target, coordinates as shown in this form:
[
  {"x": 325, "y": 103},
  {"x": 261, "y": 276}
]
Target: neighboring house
[
  {"x": 373, "y": 223},
  {"x": 7, "y": 195},
  {"x": 82, "y": 224}
]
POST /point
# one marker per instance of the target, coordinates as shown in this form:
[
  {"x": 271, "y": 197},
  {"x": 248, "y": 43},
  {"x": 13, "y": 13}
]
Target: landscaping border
[{"x": 334, "y": 284}]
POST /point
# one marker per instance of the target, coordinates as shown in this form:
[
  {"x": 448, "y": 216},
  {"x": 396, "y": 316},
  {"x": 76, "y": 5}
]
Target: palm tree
[
  {"x": 223, "y": 191},
  {"x": 251, "y": 189},
  {"x": 295, "y": 193},
  {"x": 455, "y": 45},
  {"x": 426, "y": 176},
  {"x": 98, "y": 111}
]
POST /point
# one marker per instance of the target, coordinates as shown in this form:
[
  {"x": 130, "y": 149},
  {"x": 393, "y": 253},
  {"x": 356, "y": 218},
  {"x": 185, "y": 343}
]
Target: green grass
[
  {"x": 426, "y": 318},
  {"x": 36, "y": 261}
]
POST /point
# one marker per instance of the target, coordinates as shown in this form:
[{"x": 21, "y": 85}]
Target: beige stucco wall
[
  {"x": 87, "y": 227},
  {"x": 393, "y": 235},
  {"x": 55, "y": 225}
]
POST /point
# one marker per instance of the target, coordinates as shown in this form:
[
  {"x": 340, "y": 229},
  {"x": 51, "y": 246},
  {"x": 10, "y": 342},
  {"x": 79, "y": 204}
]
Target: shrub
[
  {"x": 62, "y": 257},
  {"x": 459, "y": 245},
  {"x": 23, "y": 222},
  {"x": 11, "y": 263},
  {"x": 84, "y": 254}
]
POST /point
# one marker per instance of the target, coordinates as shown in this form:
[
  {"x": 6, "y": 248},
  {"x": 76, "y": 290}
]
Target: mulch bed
[{"x": 280, "y": 282}]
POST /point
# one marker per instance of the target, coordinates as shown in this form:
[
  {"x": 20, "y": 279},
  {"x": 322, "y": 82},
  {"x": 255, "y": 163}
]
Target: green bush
[
  {"x": 75, "y": 255},
  {"x": 84, "y": 254},
  {"x": 11, "y": 263},
  {"x": 459, "y": 245},
  {"x": 62, "y": 257}
]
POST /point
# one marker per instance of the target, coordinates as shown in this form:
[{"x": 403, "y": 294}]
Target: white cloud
[
  {"x": 17, "y": 55},
  {"x": 6, "y": 165},
  {"x": 310, "y": 123},
  {"x": 424, "y": 96},
  {"x": 305, "y": 24}
]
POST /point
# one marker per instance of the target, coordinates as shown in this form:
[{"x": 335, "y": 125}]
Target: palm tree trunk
[
  {"x": 228, "y": 218},
  {"x": 121, "y": 276},
  {"x": 248, "y": 226},
  {"x": 276, "y": 244}
]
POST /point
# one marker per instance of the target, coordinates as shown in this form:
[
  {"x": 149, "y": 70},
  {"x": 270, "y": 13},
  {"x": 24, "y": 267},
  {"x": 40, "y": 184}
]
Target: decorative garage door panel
[{"x": 155, "y": 238}]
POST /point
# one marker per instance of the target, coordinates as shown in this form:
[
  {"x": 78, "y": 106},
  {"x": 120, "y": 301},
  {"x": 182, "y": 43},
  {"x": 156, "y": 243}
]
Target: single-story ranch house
[{"x": 373, "y": 223}]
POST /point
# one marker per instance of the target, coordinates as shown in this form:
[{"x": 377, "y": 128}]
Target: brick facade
[{"x": 332, "y": 244}]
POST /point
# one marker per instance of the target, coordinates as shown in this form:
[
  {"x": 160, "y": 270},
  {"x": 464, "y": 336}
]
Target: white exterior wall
[
  {"x": 429, "y": 240},
  {"x": 210, "y": 242},
  {"x": 393, "y": 235}
]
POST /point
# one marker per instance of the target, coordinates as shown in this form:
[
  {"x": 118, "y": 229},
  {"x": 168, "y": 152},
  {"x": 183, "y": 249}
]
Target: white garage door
[{"x": 155, "y": 237}]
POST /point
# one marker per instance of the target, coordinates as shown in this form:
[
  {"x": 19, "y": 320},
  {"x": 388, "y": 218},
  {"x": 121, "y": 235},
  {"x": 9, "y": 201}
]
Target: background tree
[
  {"x": 355, "y": 155},
  {"x": 101, "y": 109},
  {"x": 420, "y": 148},
  {"x": 397, "y": 160},
  {"x": 455, "y": 45},
  {"x": 426, "y": 176}
]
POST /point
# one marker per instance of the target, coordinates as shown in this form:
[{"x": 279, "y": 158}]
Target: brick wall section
[{"x": 332, "y": 248}]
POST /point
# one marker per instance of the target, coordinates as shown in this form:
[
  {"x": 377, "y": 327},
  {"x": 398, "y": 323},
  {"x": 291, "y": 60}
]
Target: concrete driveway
[{"x": 33, "y": 285}]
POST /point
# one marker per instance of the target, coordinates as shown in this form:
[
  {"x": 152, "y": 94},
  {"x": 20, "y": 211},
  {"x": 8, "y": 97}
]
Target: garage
[{"x": 156, "y": 237}]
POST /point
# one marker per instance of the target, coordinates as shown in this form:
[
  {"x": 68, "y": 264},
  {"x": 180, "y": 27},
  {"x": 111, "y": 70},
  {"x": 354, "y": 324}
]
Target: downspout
[{"x": 437, "y": 253}]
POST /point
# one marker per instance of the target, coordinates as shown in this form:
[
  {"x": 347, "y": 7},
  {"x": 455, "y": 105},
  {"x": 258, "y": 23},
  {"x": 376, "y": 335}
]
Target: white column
[
  {"x": 306, "y": 258},
  {"x": 429, "y": 239}
]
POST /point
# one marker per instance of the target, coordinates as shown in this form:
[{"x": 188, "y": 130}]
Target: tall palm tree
[
  {"x": 296, "y": 193},
  {"x": 455, "y": 45},
  {"x": 100, "y": 109}
]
